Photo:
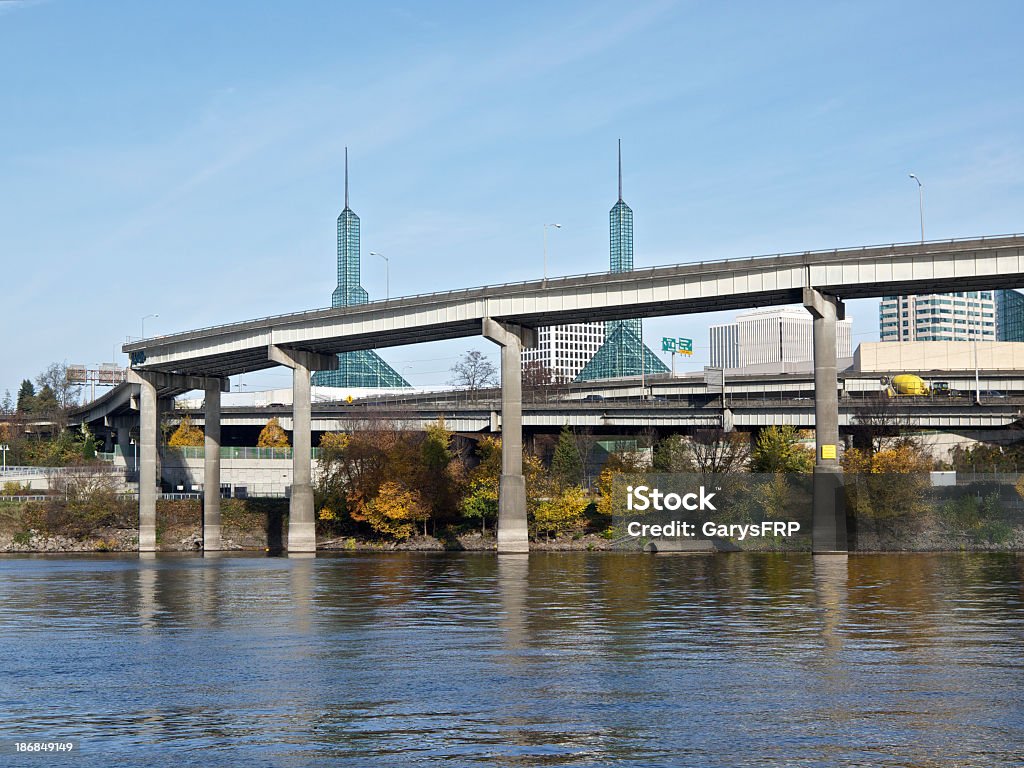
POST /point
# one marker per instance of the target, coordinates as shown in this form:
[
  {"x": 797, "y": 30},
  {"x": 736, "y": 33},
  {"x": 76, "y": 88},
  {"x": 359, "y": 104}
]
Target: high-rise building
[
  {"x": 623, "y": 352},
  {"x": 960, "y": 316},
  {"x": 363, "y": 368},
  {"x": 1009, "y": 316},
  {"x": 771, "y": 336},
  {"x": 563, "y": 350}
]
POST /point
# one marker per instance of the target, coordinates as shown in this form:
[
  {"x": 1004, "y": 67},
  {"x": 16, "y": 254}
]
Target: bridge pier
[
  {"x": 211, "y": 468},
  {"x": 149, "y": 417},
  {"x": 148, "y": 428},
  {"x": 513, "y": 533},
  {"x": 828, "y": 527},
  {"x": 301, "y": 515}
]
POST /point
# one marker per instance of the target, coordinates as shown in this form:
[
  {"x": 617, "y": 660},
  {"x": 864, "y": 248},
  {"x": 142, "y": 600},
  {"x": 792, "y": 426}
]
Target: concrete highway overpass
[{"x": 509, "y": 314}]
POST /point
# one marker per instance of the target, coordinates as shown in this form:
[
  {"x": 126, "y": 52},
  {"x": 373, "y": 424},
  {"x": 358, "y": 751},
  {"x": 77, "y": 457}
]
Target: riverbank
[{"x": 261, "y": 525}]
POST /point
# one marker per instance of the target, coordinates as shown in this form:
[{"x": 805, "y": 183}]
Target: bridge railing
[{"x": 462, "y": 292}]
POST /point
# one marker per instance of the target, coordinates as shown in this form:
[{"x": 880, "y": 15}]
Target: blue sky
[{"x": 185, "y": 159}]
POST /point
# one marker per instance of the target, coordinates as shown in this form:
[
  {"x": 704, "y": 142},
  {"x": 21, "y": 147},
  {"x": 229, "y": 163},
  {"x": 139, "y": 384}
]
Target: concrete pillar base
[
  {"x": 829, "y": 523},
  {"x": 211, "y": 538},
  {"x": 301, "y": 525},
  {"x": 513, "y": 533},
  {"x": 147, "y": 538}
]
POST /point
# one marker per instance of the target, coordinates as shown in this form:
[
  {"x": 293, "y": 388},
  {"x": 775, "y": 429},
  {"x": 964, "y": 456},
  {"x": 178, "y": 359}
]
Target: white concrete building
[
  {"x": 564, "y": 349},
  {"x": 771, "y": 337},
  {"x": 938, "y": 317}
]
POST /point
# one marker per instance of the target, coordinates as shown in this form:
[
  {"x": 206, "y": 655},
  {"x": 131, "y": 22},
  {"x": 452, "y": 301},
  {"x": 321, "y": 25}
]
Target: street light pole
[
  {"x": 920, "y": 202},
  {"x": 144, "y": 324},
  {"x": 387, "y": 273},
  {"x": 556, "y": 226}
]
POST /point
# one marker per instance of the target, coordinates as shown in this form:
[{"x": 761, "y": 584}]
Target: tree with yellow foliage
[
  {"x": 562, "y": 513},
  {"x": 273, "y": 435},
  {"x": 186, "y": 435},
  {"x": 396, "y": 510},
  {"x": 889, "y": 483}
]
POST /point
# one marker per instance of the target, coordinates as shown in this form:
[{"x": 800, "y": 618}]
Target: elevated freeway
[{"x": 509, "y": 314}]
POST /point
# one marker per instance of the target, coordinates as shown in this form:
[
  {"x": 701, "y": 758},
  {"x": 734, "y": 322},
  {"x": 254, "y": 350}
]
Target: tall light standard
[
  {"x": 556, "y": 226},
  {"x": 144, "y": 319},
  {"x": 5, "y": 448},
  {"x": 387, "y": 273},
  {"x": 920, "y": 202}
]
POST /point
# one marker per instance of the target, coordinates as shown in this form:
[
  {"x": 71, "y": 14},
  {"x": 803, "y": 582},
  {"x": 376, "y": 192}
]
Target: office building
[
  {"x": 563, "y": 350},
  {"x": 773, "y": 336},
  {"x": 965, "y": 316}
]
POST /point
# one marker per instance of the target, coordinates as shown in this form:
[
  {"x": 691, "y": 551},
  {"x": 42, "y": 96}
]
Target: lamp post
[
  {"x": 144, "y": 319},
  {"x": 387, "y": 273},
  {"x": 5, "y": 448},
  {"x": 920, "y": 202},
  {"x": 556, "y": 226}
]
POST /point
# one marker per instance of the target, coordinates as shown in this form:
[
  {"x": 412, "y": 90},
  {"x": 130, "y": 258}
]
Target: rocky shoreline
[{"x": 126, "y": 540}]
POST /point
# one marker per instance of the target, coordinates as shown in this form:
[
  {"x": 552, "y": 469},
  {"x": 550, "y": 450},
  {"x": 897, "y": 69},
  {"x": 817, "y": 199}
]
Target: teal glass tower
[
  {"x": 623, "y": 353},
  {"x": 365, "y": 367}
]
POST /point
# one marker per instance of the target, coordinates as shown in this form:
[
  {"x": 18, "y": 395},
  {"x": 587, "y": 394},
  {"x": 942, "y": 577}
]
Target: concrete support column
[
  {"x": 148, "y": 415},
  {"x": 829, "y": 519},
  {"x": 513, "y": 534},
  {"x": 301, "y": 518},
  {"x": 124, "y": 442},
  {"x": 211, "y": 469}
]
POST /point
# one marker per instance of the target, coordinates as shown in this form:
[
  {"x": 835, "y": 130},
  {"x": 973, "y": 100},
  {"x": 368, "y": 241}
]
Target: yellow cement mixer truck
[{"x": 906, "y": 385}]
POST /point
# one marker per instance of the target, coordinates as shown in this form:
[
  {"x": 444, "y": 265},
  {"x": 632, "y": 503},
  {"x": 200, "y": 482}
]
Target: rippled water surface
[{"x": 473, "y": 659}]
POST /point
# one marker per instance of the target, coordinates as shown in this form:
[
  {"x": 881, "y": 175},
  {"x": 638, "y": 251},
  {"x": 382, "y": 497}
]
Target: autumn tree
[
  {"x": 55, "y": 376},
  {"x": 395, "y": 510},
  {"x": 186, "y": 435},
  {"x": 481, "y": 497},
  {"x": 474, "y": 371},
  {"x": 439, "y": 473},
  {"x": 273, "y": 435},
  {"x": 536, "y": 374},
  {"x": 564, "y": 512},
  {"x": 717, "y": 452},
  {"x": 887, "y": 484},
  {"x": 353, "y": 468},
  {"x": 628, "y": 469},
  {"x": 880, "y": 423},
  {"x": 777, "y": 450}
]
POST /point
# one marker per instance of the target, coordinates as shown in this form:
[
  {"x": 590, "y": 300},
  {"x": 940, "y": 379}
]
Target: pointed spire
[
  {"x": 346, "y": 180},
  {"x": 620, "y": 169}
]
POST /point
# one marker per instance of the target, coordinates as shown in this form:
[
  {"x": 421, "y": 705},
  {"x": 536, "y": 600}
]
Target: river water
[{"x": 474, "y": 659}]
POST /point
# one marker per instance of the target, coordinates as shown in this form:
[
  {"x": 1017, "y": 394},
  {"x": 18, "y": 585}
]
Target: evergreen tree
[
  {"x": 26, "y": 397},
  {"x": 7, "y": 406},
  {"x": 46, "y": 401},
  {"x": 566, "y": 464}
]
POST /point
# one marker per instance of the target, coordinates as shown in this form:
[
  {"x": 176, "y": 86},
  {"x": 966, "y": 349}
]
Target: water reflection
[{"x": 564, "y": 659}]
